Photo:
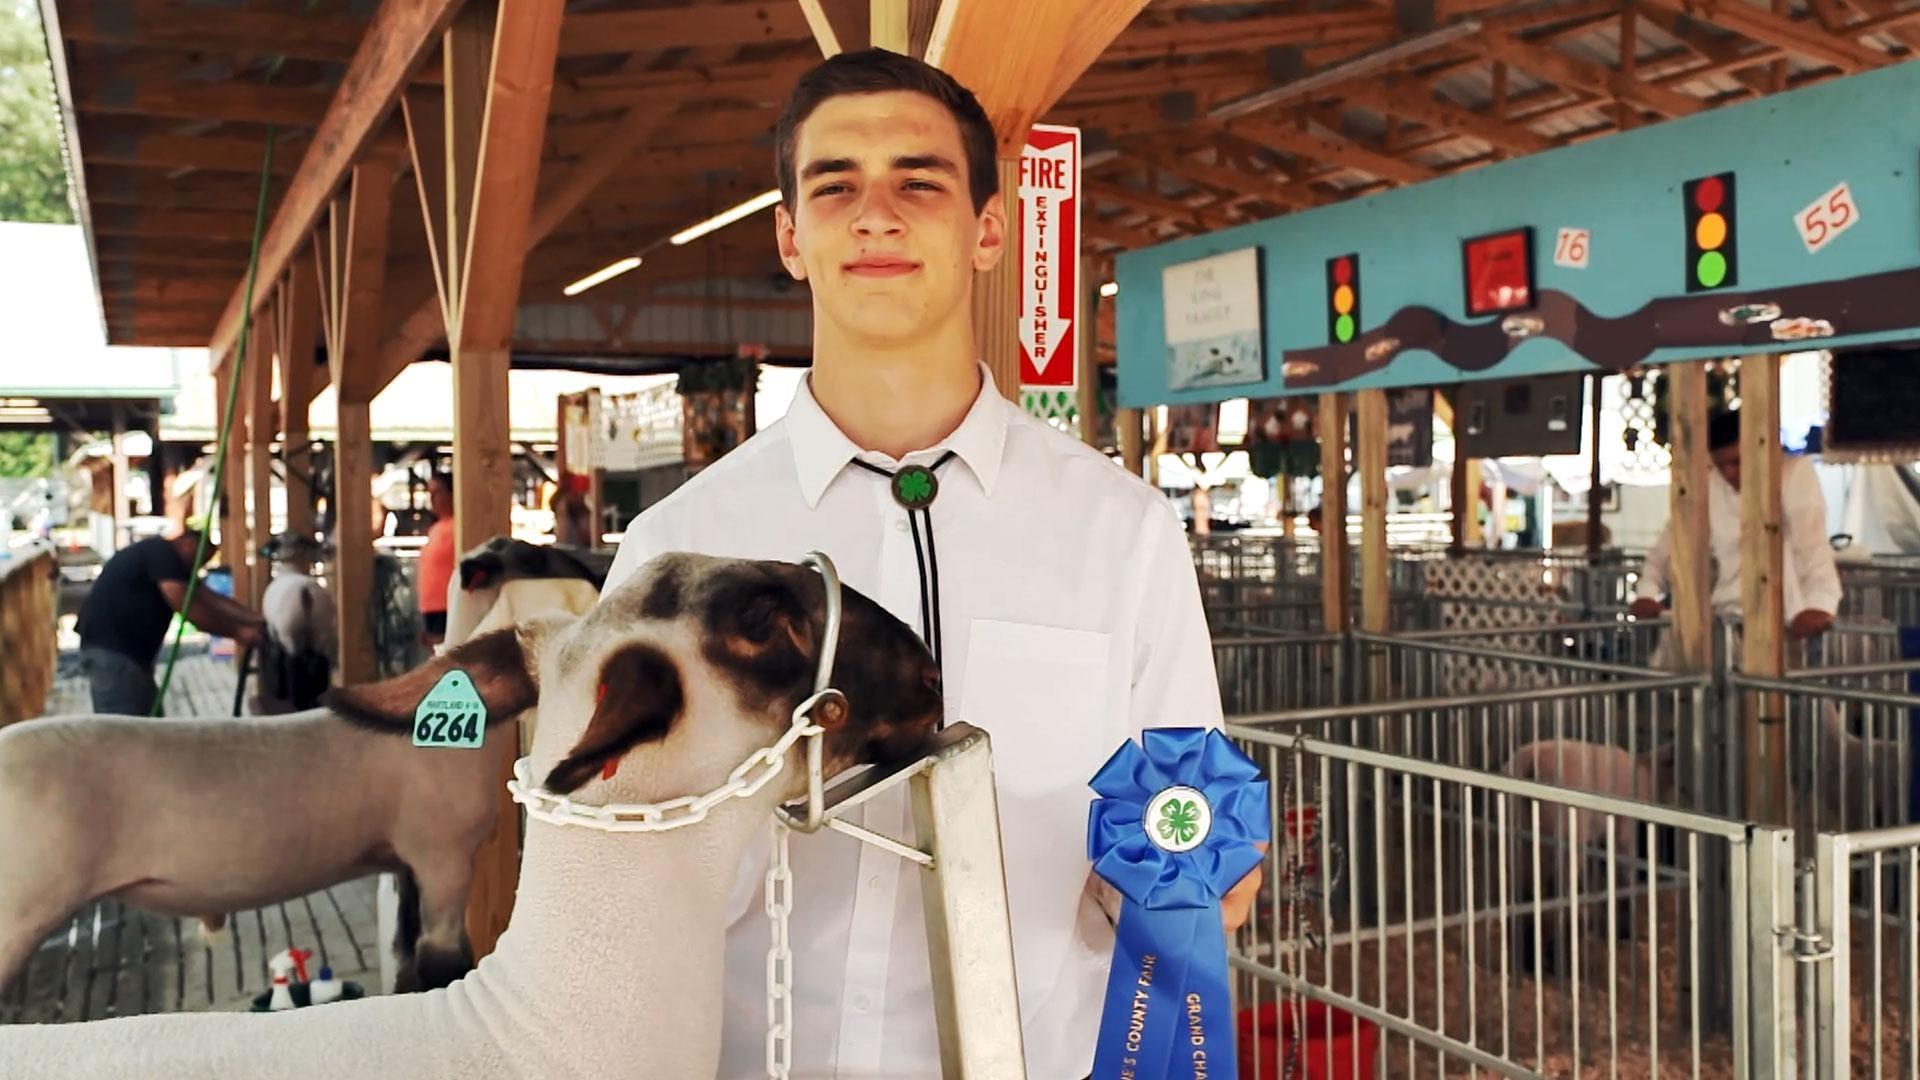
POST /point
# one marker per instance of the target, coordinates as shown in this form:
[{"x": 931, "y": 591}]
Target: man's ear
[
  {"x": 991, "y": 246},
  {"x": 636, "y": 701},
  {"x": 500, "y": 663},
  {"x": 783, "y": 230}
]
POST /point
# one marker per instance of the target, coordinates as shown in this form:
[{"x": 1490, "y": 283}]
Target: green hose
[{"x": 226, "y": 427}]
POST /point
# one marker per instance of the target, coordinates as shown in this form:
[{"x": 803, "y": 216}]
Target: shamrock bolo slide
[{"x": 1173, "y": 830}]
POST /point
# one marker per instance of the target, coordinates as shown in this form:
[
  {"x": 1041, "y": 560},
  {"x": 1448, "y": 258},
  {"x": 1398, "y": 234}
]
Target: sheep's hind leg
[{"x": 440, "y": 954}]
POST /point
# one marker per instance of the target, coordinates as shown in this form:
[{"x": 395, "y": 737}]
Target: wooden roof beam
[
  {"x": 1585, "y": 75},
  {"x": 1331, "y": 149},
  {"x": 690, "y": 25},
  {"x": 1410, "y": 101},
  {"x": 1799, "y": 36},
  {"x": 227, "y": 102},
  {"x": 1159, "y": 206},
  {"x": 202, "y": 28},
  {"x": 213, "y": 153},
  {"x": 1271, "y": 186},
  {"x": 1357, "y": 26},
  {"x": 399, "y": 38}
]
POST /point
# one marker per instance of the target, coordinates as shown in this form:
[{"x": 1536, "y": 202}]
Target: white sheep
[
  {"x": 197, "y": 817},
  {"x": 611, "y": 965}
]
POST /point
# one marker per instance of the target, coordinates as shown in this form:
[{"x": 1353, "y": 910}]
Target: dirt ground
[{"x": 1437, "y": 979}]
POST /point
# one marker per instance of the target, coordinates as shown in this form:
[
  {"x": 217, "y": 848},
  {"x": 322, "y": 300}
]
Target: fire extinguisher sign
[{"x": 1049, "y": 239}]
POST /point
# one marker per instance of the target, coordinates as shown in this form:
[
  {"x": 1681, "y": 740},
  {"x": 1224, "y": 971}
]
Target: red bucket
[{"x": 1338, "y": 1046}]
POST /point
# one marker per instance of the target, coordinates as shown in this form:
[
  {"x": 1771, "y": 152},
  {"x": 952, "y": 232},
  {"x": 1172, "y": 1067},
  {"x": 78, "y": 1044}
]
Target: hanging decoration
[{"x": 716, "y": 399}]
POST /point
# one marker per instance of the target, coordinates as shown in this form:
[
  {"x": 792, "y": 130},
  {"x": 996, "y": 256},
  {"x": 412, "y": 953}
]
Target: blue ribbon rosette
[{"x": 1174, "y": 830}]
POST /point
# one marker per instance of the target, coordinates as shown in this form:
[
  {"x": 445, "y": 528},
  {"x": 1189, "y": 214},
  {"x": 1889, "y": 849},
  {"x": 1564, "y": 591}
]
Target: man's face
[
  {"x": 440, "y": 497},
  {"x": 883, "y": 227},
  {"x": 1727, "y": 460}
]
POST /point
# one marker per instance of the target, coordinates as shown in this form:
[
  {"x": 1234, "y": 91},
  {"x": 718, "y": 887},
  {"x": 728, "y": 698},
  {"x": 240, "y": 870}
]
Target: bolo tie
[{"x": 914, "y": 487}]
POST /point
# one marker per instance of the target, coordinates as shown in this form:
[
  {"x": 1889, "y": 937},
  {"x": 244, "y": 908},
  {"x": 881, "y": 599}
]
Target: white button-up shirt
[
  {"x": 1812, "y": 579},
  {"x": 1071, "y": 620}
]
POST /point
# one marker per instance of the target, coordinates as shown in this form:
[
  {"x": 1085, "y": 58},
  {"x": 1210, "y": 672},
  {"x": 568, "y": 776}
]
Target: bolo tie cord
[{"x": 917, "y": 497}]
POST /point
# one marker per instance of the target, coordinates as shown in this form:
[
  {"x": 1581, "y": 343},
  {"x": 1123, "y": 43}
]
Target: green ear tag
[{"x": 451, "y": 714}]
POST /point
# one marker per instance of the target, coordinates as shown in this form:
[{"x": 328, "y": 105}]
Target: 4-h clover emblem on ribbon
[
  {"x": 1178, "y": 819},
  {"x": 914, "y": 487}
]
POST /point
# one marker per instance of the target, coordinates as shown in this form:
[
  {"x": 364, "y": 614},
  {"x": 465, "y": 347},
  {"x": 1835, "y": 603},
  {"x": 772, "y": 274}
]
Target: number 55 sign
[{"x": 1829, "y": 216}]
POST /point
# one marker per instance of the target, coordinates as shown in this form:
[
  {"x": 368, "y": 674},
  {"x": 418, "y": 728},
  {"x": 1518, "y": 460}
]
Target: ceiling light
[
  {"x": 602, "y": 275},
  {"x": 726, "y": 217}
]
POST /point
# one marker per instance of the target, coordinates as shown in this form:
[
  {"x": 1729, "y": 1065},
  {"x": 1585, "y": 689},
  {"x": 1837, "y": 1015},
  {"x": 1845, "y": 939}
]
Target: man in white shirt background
[
  {"x": 1057, "y": 591},
  {"x": 1812, "y": 581}
]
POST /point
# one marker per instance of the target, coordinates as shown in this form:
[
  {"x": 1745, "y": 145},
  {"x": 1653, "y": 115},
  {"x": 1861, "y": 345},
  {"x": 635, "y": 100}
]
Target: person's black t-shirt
[{"x": 125, "y": 610}]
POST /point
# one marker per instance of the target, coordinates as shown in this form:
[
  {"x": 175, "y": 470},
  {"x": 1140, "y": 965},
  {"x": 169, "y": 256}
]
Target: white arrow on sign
[{"x": 1040, "y": 292}]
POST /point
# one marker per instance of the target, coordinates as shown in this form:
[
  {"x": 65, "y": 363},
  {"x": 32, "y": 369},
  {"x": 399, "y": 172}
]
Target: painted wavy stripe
[{"x": 1870, "y": 304}]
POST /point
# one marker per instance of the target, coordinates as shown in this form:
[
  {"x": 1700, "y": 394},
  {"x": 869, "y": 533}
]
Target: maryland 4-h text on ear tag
[{"x": 451, "y": 714}]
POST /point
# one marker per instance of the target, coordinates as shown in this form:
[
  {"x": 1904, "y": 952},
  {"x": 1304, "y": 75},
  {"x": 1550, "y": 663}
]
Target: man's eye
[
  {"x": 923, "y": 185},
  {"x": 829, "y": 189}
]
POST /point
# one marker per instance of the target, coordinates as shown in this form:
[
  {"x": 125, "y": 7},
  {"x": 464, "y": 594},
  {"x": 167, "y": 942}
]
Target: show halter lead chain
[{"x": 914, "y": 487}]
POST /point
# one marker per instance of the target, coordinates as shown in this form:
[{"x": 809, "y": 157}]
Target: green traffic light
[
  {"x": 1711, "y": 270},
  {"x": 1343, "y": 328}
]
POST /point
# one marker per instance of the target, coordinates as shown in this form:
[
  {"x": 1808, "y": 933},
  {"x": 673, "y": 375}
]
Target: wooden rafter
[
  {"x": 1800, "y": 36},
  {"x": 399, "y": 37}
]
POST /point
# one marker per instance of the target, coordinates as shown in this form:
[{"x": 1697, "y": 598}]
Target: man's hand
[
  {"x": 1238, "y": 903},
  {"x": 250, "y": 635},
  {"x": 1646, "y": 608},
  {"x": 1809, "y": 623}
]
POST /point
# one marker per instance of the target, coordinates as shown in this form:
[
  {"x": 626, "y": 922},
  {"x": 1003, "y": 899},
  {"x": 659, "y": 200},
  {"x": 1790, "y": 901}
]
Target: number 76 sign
[{"x": 1829, "y": 216}]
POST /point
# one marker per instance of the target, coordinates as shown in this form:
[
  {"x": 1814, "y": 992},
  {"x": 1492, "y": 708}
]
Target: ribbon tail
[
  {"x": 1141, "y": 1023},
  {"x": 1206, "y": 1006}
]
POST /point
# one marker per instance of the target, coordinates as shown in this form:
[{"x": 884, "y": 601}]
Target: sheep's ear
[
  {"x": 499, "y": 663},
  {"x": 637, "y": 699}
]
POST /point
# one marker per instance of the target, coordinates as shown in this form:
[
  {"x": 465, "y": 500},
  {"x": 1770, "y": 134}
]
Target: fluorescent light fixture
[
  {"x": 602, "y": 275},
  {"x": 726, "y": 217},
  {"x": 1111, "y": 288}
]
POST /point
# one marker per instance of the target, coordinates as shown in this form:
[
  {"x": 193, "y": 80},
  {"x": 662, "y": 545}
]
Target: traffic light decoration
[
  {"x": 1712, "y": 255},
  {"x": 1343, "y": 299}
]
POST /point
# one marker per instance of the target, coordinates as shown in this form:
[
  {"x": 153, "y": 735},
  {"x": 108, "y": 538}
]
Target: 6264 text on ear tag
[{"x": 451, "y": 715}]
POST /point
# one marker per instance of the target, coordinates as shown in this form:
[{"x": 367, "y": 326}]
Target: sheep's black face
[{"x": 760, "y": 629}]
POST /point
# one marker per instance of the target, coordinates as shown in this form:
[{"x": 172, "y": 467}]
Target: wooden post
[
  {"x": 996, "y": 295},
  {"x": 233, "y": 477},
  {"x": 118, "y": 461},
  {"x": 887, "y": 26},
  {"x": 263, "y": 420},
  {"x": 1335, "y": 587},
  {"x": 351, "y": 254},
  {"x": 1371, "y": 463},
  {"x": 1596, "y": 500},
  {"x": 353, "y": 540},
  {"x": 1690, "y": 552},
  {"x": 499, "y": 59},
  {"x": 300, "y": 380},
  {"x": 1130, "y": 424},
  {"x": 1086, "y": 304},
  {"x": 1762, "y": 569}
]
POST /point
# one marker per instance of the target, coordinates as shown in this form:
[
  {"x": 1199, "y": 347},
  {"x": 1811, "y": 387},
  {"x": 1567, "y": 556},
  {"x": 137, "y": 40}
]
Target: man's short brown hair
[{"x": 875, "y": 71}]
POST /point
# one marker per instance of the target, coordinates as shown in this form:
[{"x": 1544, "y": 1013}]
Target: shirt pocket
[{"x": 1041, "y": 692}]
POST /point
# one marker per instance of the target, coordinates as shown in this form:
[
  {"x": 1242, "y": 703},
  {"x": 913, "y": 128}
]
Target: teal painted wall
[{"x": 1786, "y": 151}]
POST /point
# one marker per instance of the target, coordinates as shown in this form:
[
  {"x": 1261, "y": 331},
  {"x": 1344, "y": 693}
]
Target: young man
[
  {"x": 1060, "y": 594},
  {"x": 1812, "y": 584},
  {"x": 436, "y": 560},
  {"x": 123, "y": 621}
]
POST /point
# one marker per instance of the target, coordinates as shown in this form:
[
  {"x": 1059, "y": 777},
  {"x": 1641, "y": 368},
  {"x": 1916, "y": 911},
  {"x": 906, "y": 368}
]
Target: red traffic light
[{"x": 1709, "y": 194}]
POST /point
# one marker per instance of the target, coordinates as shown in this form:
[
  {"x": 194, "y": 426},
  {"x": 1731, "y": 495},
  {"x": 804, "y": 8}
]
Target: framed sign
[
  {"x": 1520, "y": 417},
  {"x": 1193, "y": 429},
  {"x": 1499, "y": 272},
  {"x": 1873, "y": 405},
  {"x": 1213, "y": 321},
  {"x": 1409, "y": 427}
]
